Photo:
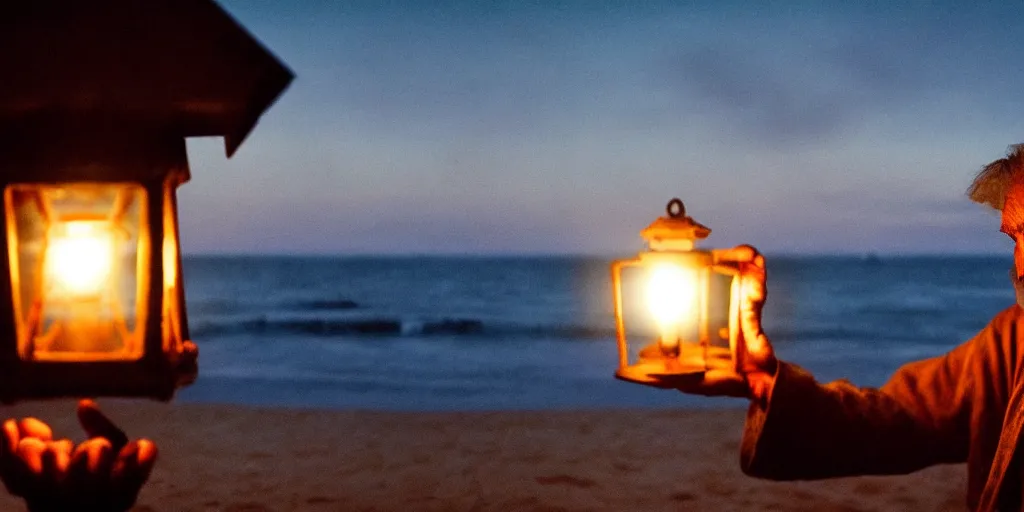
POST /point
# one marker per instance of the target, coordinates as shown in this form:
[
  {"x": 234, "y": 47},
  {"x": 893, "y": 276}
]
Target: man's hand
[
  {"x": 754, "y": 376},
  {"x": 104, "y": 473}
]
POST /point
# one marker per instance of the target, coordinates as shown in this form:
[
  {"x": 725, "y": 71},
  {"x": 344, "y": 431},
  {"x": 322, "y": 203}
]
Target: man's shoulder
[
  {"x": 1005, "y": 323},
  {"x": 1008, "y": 315},
  {"x": 996, "y": 341}
]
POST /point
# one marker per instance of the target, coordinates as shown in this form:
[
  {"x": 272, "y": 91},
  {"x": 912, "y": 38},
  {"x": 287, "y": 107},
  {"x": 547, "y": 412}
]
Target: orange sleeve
[{"x": 925, "y": 414}]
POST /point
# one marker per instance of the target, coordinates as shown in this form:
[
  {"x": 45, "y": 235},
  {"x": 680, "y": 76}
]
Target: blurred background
[{"x": 425, "y": 219}]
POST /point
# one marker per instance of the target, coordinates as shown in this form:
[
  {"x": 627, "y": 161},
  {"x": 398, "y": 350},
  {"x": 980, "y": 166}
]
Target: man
[{"x": 964, "y": 406}]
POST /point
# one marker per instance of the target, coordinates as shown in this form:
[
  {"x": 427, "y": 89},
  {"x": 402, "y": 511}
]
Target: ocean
[{"x": 475, "y": 333}]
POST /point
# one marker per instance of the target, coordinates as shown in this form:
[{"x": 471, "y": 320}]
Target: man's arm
[{"x": 924, "y": 415}]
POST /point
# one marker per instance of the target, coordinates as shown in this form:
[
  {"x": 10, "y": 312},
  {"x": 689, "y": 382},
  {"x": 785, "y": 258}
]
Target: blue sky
[{"x": 564, "y": 127}]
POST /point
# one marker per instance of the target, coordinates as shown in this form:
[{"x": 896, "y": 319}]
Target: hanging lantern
[
  {"x": 94, "y": 110},
  {"x": 675, "y": 304}
]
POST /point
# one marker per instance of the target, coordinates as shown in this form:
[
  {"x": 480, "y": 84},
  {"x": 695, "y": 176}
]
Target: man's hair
[{"x": 990, "y": 185}]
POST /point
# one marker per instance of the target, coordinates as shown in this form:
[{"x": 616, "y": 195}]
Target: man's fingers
[
  {"x": 758, "y": 261},
  {"x": 12, "y": 468},
  {"x": 752, "y": 287},
  {"x": 759, "y": 348},
  {"x": 97, "y": 425},
  {"x": 739, "y": 254},
  {"x": 132, "y": 468},
  {"x": 753, "y": 294},
  {"x": 30, "y": 451},
  {"x": 22, "y": 469},
  {"x": 31, "y": 427},
  {"x": 100, "y": 456},
  {"x": 53, "y": 469},
  {"x": 90, "y": 465},
  {"x": 62, "y": 450},
  {"x": 753, "y": 283},
  {"x": 147, "y": 453},
  {"x": 10, "y": 440},
  {"x": 750, "y": 322}
]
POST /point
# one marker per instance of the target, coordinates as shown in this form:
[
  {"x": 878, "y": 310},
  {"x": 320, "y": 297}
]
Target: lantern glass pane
[
  {"x": 171, "y": 321},
  {"x": 661, "y": 308},
  {"x": 669, "y": 309},
  {"x": 77, "y": 256},
  {"x": 719, "y": 296}
]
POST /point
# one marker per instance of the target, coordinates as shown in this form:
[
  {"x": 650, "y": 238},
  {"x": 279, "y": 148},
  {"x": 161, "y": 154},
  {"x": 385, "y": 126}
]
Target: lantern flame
[
  {"x": 80, "y": 258},
  {"x": 671, "y": 291}
]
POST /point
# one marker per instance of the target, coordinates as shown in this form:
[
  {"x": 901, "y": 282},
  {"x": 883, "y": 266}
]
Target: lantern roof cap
[
  {"x": 183, "y": 66},
  {"x": 676, "y": 225}
]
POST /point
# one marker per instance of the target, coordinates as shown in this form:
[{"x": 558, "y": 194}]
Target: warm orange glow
[
  {"x": 170, "y": 254},
  {"x": 79, "y": 259},
  {"x": 77, "y": 254},
  {"x": 171, "y": 324},
  {"x": 671, "y": 298}
]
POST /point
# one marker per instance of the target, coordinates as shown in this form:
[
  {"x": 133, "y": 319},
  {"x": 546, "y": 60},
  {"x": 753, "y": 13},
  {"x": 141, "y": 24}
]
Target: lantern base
[
  {"x": 651, "y": 371},
  {"x": 147, "y": 378}
]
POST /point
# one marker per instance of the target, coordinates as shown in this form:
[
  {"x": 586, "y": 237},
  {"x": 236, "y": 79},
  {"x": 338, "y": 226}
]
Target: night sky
[{"x": 564, "y": 127}]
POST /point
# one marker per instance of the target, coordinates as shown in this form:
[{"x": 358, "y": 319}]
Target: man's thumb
[{"x": 96, "y": 424}]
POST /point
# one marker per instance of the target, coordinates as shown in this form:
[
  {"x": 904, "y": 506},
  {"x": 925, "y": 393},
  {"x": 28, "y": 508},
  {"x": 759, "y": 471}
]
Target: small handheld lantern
[
  {"x": 97, "y": 101},
  {"x": 673, "y": 302}
]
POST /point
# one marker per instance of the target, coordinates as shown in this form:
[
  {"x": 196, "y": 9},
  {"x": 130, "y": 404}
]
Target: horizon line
[{"x": 590, "y": 255}]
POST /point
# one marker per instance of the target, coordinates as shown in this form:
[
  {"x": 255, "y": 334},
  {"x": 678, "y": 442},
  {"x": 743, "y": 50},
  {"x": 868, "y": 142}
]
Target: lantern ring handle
[{"x": 675, "y": 208}]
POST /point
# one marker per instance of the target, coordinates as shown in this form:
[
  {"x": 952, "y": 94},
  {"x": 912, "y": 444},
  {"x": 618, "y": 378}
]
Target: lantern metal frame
[{"x": 672, "y": 239}]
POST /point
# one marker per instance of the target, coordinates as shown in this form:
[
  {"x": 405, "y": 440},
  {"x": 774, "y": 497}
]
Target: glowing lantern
[
  {"x": 94, "y": 111},
  {"x": 677, "y": 299}
]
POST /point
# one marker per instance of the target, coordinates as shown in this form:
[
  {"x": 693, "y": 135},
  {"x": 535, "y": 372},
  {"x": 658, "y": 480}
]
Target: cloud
[
  {"x": 758, "y": 97},
  {"x": 818, "y": 74},
  {"x": 791, "y": 94}
]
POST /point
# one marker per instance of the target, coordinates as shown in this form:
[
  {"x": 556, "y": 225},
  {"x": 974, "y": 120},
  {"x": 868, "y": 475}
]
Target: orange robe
[{"x": 964, "y": 406}]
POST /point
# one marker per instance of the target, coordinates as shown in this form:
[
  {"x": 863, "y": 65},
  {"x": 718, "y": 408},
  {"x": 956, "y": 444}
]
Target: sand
[{"x": 230, "y": 458}]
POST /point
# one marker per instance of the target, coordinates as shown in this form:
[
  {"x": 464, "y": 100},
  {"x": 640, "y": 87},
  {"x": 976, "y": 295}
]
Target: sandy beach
[{"x": 230, "y": 458}]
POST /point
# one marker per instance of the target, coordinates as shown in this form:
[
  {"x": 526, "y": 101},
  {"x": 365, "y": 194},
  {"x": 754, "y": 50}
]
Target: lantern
[
  {"x": 675, "y": 305},
  {"x": 98, "y": 100}
]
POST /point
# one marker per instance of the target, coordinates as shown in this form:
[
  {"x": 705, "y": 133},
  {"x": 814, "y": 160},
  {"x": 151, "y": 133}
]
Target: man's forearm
[{"x": 799, "y": 429}]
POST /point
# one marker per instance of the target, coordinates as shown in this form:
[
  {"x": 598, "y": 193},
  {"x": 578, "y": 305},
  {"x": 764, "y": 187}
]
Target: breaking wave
[
  {"x": 391, "y": 327},
  {"x": 386, "y": 326}
]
